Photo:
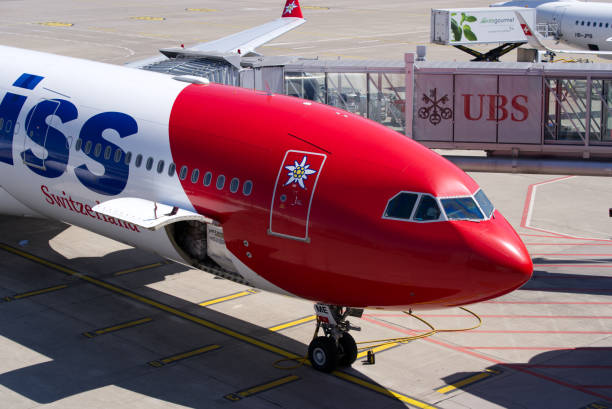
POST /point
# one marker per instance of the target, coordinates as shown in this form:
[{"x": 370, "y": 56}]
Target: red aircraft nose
[{"x": 499, "y": 262}]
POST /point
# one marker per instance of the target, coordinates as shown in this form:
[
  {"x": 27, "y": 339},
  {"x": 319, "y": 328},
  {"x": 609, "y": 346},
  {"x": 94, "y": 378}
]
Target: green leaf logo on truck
[{"x": 460, "y": 29}]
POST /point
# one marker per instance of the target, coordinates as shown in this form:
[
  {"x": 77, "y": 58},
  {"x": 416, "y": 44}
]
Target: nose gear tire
[
  {"x": 347, "y": 350},
  {"x": 323, "y": 354}
]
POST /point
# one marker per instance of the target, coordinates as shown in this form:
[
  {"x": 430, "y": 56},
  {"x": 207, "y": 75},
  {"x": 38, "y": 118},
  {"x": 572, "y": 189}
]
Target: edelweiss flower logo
[
  {"x": 299, "y": 172},
  {"x": 290, "y": 8}
]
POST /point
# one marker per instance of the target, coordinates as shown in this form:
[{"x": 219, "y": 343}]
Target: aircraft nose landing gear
[{"x": 337, "y": 347}]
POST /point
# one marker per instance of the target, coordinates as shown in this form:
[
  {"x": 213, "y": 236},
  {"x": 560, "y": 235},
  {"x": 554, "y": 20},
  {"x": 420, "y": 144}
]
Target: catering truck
[{"x": 468, "y": 26}]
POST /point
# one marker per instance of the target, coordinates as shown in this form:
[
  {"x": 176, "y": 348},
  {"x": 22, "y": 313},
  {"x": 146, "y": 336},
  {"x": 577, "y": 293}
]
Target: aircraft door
[
  {"x": 34, "y": 152},
  {"x": 293, "y": 194},
  {"x": 558, "y": 20}
]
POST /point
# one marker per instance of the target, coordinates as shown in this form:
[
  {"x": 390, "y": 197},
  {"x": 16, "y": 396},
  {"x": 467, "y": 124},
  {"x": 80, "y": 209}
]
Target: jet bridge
[{"x": 527, "y": 117}]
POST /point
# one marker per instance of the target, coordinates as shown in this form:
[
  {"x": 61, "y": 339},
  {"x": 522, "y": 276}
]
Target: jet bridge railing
[
  {"x": 376, "y": 91},
  {"x": 501, "y": 108}
]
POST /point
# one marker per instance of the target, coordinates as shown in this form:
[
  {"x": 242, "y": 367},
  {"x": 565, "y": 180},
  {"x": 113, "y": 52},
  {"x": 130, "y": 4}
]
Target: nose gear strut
[{"x": 336, "y": 347}]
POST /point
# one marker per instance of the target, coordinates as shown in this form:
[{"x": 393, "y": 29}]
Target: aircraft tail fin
[
  {"x": 292, "y": 9},
  {"x": 533, "y": 37},
  {"x": 535, "y": 40}
]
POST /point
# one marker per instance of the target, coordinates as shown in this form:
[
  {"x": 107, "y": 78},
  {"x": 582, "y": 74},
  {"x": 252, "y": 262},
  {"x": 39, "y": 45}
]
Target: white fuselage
[
  {"x": 48, "y": 103},
  {"x": 582, "y": 25}
]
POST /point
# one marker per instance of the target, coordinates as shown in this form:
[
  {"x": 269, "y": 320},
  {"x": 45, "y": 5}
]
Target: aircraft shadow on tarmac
[
  {"x": 562, "y": 375},
  {"x": 553, "y": 281},
  {"x": 543, "y": 260},
  {"x": 52, "y": 326}
]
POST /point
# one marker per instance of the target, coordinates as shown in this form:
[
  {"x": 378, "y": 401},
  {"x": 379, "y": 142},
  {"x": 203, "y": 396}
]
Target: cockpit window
[
  {"x": 462, "y": 208},
  {"x": 484, "y": 202},
  {"x": 400, "y": 207},
  {"x": 428, "y": 209}
]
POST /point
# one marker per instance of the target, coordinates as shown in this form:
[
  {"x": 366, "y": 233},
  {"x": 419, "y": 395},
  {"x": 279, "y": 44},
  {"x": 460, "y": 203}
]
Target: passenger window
[
  {"x": 107, "y": 152},
  {"x": 247, "y": 188},
  {"x": 160, "y": 166},
  {"x": 87, "y": 148},
  {"x": 183, "y": 173},
  {"x": 427, "y": 210},
  {"x": 1, "y": 123},
  {"x": 207, "y": 178},
  {"x": 128, "y": 158},
  {"x": 461, "y": 208},
  {"x": 234, "y": 185},
  {"x": 149, "y": 163},
  {"x": 195, "y": 176},
  {"x": 484, "y": 202},
  {"x": 98, "y": 150},
  {"x": 171, "y": 169},
  {"x": 77, "y": 145},
  {"x": 118, "y": 154},
  {"x": 400, "y": 206},
  {"x": 9, "y": 126},
  {"x": 138, "y": 160},
  {"x": 220, "y": 182},
  {"x": 582, "y": 23}
]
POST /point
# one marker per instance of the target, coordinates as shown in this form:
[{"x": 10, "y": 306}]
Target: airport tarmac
[{"x": 89, "y": 322}]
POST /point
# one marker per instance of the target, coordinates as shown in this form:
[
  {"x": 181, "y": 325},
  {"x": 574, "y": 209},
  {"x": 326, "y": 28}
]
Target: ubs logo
[{"x": 435, "y": 111}]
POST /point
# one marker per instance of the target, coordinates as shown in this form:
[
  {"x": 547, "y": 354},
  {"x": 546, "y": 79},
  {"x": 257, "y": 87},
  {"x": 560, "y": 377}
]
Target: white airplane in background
[{"x": 587, "y": 26}]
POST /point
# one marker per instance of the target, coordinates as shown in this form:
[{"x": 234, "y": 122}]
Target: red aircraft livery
[{"x": 279, "y": 193}]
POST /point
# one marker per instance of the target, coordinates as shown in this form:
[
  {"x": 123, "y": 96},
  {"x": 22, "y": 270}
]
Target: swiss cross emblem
[{"x": 526, "y": 29}]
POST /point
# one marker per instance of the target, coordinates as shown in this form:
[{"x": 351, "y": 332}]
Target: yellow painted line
[
  {"x": 469, "y": 380},
  {"x": 213, "y": 326},
  {"x": 35, "y": 292},
  {"x": 228, "y": 297},
  {"x": 149, "y": 18},
  {"x": 201, "y": 10},
  {"x": 261, "y": 388},
  {"x": 183, "y": 355},
  {"x": 382, "y": 390},
  {"x": 293, "y": 323},
  {"x": 129, "y": 324},
  {"x": 315, "y": 8},
  {"x": 381, "y": 348},
  {"x": 135, "y": 269},
  {"x": 56, "y": 24}
]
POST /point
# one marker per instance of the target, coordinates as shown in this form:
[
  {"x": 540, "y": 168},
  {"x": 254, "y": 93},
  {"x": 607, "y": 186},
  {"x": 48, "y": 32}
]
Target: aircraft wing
[
  {"x": 145, "y": 213},
  {"x": 248, "y": 40},
  {"x": 535, "y": 40}
]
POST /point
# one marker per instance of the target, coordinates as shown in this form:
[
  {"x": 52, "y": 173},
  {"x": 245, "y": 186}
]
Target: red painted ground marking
[
  {"x": 549, "y": 302},
  {"x": 538, "y": 348},
  {"x": 561, "y": 237},
  {"x": 572, "y": 254},
  {"x": 527, "y": 205},
  {"x": 556, "y": 317},
  {"x": 581, "y": 265},
  {"x": 480, "y": 331},
  {"x": 568, "y": 244},
  {"x": 541, "y": 235},
  {"x": 538, "y": 332},
  {"x": 571, "y": 276},
  {"x": 490, "y": 359},
  {"x": 596, "y": 386},
  {"x": 544, "y": 366},
  {"x": 571, "y": 290}
]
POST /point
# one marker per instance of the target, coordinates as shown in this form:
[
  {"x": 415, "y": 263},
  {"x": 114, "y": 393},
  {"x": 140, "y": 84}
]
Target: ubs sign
[{"x": 478, "y": 108}]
